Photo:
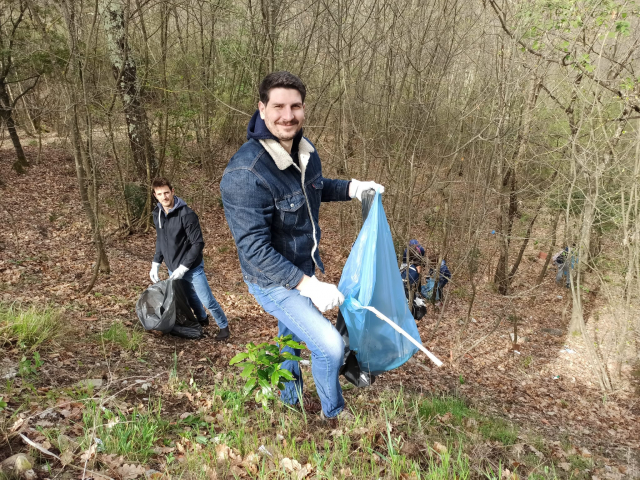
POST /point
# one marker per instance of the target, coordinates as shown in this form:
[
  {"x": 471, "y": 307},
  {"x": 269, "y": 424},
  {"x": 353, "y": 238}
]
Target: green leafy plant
[
  {"x": 262, "y": 367},
  {"x": 3, "y": 404},
  {"x": 29, "y": 366}
]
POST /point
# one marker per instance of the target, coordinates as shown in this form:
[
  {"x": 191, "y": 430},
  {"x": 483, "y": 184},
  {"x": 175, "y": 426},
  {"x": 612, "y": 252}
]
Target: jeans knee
[{"x": 335, "y": 348}]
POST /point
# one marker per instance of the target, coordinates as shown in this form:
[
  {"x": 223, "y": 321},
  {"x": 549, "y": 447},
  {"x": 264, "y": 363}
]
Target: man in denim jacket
[{"x": 271, "y": 191}]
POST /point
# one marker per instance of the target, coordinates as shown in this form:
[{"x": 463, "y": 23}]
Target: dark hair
[
  {"x": 160, "y": 182},
  {"x": 280, "y": 80}
]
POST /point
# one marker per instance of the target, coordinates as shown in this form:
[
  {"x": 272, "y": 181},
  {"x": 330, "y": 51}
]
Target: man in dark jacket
[
  {"x": 271, "y": 192},
  {"x": 179, "y": 243}
]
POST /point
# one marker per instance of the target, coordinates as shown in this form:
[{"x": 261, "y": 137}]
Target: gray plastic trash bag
[{"x": 164, "y": 307}]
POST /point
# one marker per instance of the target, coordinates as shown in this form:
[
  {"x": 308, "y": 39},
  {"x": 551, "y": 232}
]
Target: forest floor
[{"x": 103, "y": 398}]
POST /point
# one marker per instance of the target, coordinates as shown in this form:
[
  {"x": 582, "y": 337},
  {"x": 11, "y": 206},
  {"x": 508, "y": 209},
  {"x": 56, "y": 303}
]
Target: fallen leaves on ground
[{"x": 130, "y": 471}]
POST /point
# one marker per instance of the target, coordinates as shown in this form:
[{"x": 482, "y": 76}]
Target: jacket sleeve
[
  {"x": 249, "y": 209},
  {"x": 335, "y": 190},
  {"x": 158, "y": 257},
  {"x": 191, "y": 226}
]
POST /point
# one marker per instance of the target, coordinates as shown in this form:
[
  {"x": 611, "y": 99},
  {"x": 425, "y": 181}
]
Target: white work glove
[
  {"x": 324, "y": 296},
  {"x": 356, "y": 188},
  {"x": 153, "y": 274},
  {"x": 179, "y": 272}
]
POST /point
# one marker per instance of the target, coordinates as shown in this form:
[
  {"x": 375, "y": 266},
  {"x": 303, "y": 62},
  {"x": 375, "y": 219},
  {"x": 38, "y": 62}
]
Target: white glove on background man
[
  {"x": 153, "y": 274},
  {"x": 324, "y": 295},
  {"x": 179, "y": 272},
  {"x": 356, "y": 187}
]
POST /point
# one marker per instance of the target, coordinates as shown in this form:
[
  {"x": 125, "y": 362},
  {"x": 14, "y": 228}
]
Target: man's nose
[{"x": 287, "y": 114}]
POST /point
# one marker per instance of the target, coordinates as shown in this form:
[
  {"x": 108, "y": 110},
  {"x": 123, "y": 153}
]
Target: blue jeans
[
  {"x": 298, "y": 316},
  {"x": 564, "y": 271},
  {"x": 198, "y": 292}
]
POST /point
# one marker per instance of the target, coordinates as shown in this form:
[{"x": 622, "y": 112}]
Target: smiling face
[
  {"x": 283, "y": 114},
  {"x": 165, "y": 196}
]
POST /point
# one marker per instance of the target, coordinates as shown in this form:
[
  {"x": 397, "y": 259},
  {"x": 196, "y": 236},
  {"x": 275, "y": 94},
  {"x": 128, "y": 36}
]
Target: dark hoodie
[{"x": 178, "y": 236}]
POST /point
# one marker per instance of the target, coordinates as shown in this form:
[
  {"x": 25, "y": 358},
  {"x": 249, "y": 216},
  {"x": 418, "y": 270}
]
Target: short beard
[{"x": 287, "y": 138}]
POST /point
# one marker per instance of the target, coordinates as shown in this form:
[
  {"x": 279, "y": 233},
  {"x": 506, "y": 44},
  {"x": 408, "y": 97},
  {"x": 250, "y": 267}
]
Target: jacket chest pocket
[
  {"x": 292, "y": 211},
  {"x": 316, "y": 188}
]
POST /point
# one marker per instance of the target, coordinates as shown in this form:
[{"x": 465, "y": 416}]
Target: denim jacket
[{"x": 272, "y": 204}]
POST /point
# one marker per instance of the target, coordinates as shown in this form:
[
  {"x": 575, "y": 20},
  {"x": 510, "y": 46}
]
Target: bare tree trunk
[
  {"x": 6, "y": 113},
  {"x": 543, "y": 272},
  {"x": 509, "y": 209},
  {"x": 125, "y": 72},
  {"x": 83, "y": 156}
]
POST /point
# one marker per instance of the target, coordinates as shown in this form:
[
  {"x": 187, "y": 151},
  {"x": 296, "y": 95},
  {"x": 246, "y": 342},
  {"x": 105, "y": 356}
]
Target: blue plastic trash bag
[
  {"x": 427, "y": 289},
  {"x": 371, "y": 278}
]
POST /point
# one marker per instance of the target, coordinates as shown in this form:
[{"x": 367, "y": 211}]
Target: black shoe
[
  {"x": 223, "y": 334},
  {"x": 204, "y": 322}
]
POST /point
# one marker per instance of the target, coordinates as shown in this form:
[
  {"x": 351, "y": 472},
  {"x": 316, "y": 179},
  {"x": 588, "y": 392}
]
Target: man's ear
[{"x": 261, "y": 107}]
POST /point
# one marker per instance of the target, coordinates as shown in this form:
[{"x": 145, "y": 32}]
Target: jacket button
[
  {"x": 287, "y": 285},
  {"x": 291, "y": 205}
]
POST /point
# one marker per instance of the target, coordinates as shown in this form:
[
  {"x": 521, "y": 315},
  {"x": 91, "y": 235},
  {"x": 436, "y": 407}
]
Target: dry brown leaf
[
  {"x": 346, "y": 472},
  {"x": 337, "y": 432},
  {"x": 304, "y": 472},
  {"x": 536, "y": 452},
  {"x": 290, "y": 465},
  {"x": 163, "y": 450},
  {"x": 44, "y": 424},
  {"x": 518, "y": 449},
  {"x": 113, "y": 461},
  {"x": 222, "y": 452},
  {"x": 565, "y": 466},
  {"x": 440, "y": 448},
  {"x": 180, "y": 447},
  {"x": 89, "y": 453},
  {"x": 585, "y": 453},
  {"x": 239, "y": 472},
  {"x": 130, "y": 471},
  {"x": 17, "y": 424},
  {"x": 360, "y": 430},
  {"x": 410, "y": 449},
  {"x": 446, "y": 417},
  {"x": 251, "y": 458},
  {"x": 66, "y": 457}
]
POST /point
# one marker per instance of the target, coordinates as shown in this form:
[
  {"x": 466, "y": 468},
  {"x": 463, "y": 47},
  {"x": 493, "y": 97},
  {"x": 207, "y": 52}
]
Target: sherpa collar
[{"x": 281, "y": 157}]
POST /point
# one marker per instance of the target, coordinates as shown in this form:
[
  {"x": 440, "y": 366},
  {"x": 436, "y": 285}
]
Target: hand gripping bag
[
  {"x": 371, "y": 278},
  {"x": 164, "y": 307}
]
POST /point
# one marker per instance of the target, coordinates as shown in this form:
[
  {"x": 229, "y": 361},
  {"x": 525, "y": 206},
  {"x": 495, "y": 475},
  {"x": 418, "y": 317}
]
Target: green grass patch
[
  {"x": 127, "y": 338},
  {"x": 130, "y": 435},
  {"x": 29, "y": 327},
  {"x": 498, "y": 430},
  {"x": 454, "y": 410},
  {"x": 440, "y": 406}
]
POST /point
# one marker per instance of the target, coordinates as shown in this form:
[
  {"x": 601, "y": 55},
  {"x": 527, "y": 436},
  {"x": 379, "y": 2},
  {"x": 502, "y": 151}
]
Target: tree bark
[
  {"x": 6, "y": 113},
  {"x": 125, "y": 73},
  {"x": 543, "y": 272},
  {"x": 6, "y": 104}
]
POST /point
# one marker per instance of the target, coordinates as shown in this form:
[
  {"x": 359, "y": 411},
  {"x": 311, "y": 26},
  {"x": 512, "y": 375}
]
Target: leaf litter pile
[{"x": 94, "y": 396}]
